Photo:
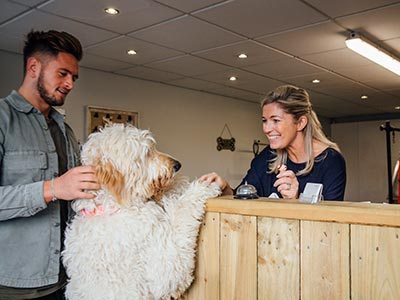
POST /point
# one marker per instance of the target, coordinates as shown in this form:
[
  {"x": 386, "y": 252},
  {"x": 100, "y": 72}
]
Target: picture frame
[{"x": 97, "y": 117}]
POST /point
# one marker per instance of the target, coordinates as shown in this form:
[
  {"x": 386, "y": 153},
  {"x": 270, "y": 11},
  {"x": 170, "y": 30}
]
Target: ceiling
[{"x": 195, "y": 44}]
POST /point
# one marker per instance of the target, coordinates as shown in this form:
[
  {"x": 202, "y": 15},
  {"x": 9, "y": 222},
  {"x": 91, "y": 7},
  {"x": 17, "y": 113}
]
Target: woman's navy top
[{"x": 329, "y": 169}]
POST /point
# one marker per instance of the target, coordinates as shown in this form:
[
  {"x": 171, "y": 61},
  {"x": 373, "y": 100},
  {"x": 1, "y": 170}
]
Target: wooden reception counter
[{"x": 276, "y": 249}]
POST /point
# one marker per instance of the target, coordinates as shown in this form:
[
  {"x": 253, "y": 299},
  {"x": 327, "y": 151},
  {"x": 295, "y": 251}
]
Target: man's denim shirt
[{"x": 29, "y": 229}]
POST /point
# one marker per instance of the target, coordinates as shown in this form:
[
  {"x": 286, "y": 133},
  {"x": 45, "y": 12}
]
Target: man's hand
[{"x": 74, "y": 184}]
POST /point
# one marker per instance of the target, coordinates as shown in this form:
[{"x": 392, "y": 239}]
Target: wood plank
[
  {"x": 238, "y": 260},
  {"x": 327, "y": 211},
  {"x": 325, "y": 265},
  {"x": 206, "y": 283},
  {"x": 375, "y": 263},
  {"x": 278, "y": 259}
]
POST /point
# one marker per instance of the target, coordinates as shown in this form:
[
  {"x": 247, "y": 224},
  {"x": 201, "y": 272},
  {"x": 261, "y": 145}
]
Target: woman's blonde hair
[{"x": 296, "y": 101}]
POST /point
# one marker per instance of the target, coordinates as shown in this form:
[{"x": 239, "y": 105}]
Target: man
[{"x": 38, "y": 173}]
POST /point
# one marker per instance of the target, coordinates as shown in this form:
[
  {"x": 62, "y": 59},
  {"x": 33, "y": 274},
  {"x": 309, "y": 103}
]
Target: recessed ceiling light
[
  {"x": 364, "y": 97},
  {"x": 131, "y": 52},
  {"x": 111, "y": 11},
  {"x": 316, "y": 81},
  {"x": 232, "y": 78},
  {"x": 242, "y": 55},
  {"x": 397, "y": 107}
]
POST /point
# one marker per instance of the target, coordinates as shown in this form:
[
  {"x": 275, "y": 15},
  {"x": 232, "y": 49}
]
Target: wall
[
  {"x": 364, "y": 147},
  {"x": 185, "y": 123}
]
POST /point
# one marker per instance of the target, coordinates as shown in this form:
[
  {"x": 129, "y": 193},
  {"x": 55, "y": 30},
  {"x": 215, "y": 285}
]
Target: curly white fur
[{"x": 134, "y": 247}]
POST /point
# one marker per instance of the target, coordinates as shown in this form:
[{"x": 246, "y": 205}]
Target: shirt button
[
  {"x": 57, "y": 251},
  {"x": 56, "y": 224},
  {"x": 55, "y": 174}
]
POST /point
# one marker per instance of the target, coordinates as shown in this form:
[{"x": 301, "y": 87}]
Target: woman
[{"x": 298, "y": 151}]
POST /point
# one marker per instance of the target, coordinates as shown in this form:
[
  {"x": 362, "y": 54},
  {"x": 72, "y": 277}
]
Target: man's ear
[
  {"x": 302, "y": 123},
  {"x": 111, "y": 179},
  {"x": 33, "y": 66}
]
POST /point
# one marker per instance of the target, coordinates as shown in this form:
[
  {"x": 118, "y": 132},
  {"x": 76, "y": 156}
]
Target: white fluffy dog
[{"x": 137, "y": 239}]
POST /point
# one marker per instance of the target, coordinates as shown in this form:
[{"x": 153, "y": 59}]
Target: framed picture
[{"x": 97, "y": 117}]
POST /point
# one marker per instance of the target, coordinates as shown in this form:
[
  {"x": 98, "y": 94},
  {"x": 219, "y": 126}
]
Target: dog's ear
[{"x": 111, "y": 179}]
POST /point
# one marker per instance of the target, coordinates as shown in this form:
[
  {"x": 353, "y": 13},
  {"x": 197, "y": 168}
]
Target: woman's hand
[
  {"x": 222, "y": 183},
  {"x": 287, "y": 183}
]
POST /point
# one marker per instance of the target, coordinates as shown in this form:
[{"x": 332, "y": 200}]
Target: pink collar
[{"x": 98, "y": 211}]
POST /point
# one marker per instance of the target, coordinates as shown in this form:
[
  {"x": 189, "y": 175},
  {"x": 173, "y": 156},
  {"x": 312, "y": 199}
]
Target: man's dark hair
[{"x": 51, "y": 43}]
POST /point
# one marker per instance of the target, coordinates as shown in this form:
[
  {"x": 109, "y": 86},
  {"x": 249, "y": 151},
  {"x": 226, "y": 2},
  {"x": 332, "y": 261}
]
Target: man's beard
[{"x": 52, "y": 101}]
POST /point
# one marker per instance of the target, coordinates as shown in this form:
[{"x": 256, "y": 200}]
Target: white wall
[
  {"x": 364, "y": 147},
  {"x": 185, "y": 123}
]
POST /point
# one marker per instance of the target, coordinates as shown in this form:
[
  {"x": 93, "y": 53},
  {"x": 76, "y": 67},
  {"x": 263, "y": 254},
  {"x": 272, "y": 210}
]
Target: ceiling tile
[
  {"x": 30, "y": 3},
  {"x": 9, "y": 10},
  {"x": 395, "y": 92},
  {"x": 381, "y": 99},
  {"x": 146, "y": 52},
  {"x": 187, "y": 34},
  {"x": 346, "y": 108},
  {"x": 188, "y": 65},
  {"x": 20, "y": 27},
  {"x": 254, "y": 18},
  {"x": 338, "y": 59},
  {"x": 133, "y": 14},
  {"x": 326, "y": 80},
  {"x": 149, "y": 74},
  {"x": 255, "y": 52},
  {"x": 345, "y": 90},
  {"x": 345, "y": 7},
  {"x": 381, "y": 24},
  {"x": 245, "y": 80},
  {"x": 102, "y": 63},
  {"x": 373, "y": 74},
  {"x": 307, "y": 40},
  {"x": 196, "y": 84},
  {"x": 189, "y": 6},
  {"x": 237, "y": 93},
  {"x": 391, "y": 110},
  {"x": 393, "y": 46},
  {"x": 283, "y": 68}
]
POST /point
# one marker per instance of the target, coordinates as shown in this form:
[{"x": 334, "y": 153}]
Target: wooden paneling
[
  {"x": 271, "y": 249},
  {"x": 278, "y": 259},
  {"x": 375, "y": 263},
  {"x": 238, "y": 258},
  {"x": 206, "y": 283},
  {"x": 327, "y": 211},
  {"x": 325, "y": 270}
]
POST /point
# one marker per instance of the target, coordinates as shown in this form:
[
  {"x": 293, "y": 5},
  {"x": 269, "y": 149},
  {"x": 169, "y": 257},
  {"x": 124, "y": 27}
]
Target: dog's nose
[{"x": 177, "y": 165}]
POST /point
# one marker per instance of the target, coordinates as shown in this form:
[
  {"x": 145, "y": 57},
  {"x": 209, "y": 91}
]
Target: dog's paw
[{"x": 209, "y": 189}]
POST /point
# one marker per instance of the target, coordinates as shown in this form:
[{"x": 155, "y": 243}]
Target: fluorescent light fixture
[
  {"x": 316, "y": 81},
  {"x": 131, "y": 52},
  {"x": 374, "y": 53},
  {"x": 242, "y": 55},
  {"x": 232, "y": 78}
]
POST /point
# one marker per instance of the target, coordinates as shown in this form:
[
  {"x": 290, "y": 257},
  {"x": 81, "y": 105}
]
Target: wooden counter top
[{"x": 329, "y": 211}]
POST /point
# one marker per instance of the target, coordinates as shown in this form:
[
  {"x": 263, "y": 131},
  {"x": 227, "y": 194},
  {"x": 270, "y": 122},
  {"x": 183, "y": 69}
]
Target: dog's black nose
[{"x": 177, "y": 165}]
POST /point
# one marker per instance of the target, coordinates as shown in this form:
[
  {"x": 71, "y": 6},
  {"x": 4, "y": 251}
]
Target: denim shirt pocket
[{"x": 22, "y": 167}]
